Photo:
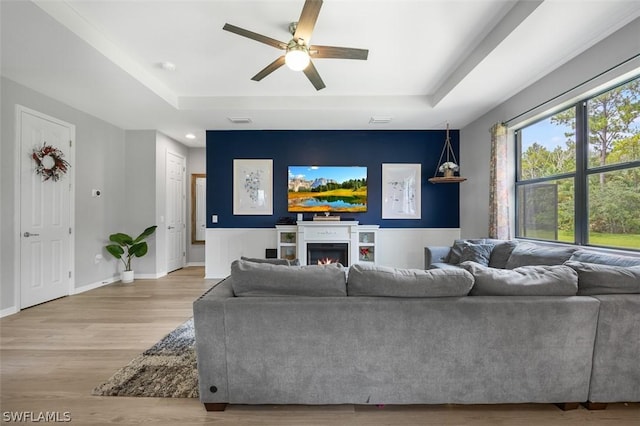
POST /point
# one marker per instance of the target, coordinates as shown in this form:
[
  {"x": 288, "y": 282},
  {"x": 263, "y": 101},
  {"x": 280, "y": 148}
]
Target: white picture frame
[
  {"x": 252, "y": 187},
  {"x": 401, "y": 191}
]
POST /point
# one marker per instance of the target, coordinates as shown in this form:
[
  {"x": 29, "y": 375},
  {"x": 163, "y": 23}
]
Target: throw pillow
[
  {"x": 371, "y": 280},
  {"x": 533, "y": 254},
  {"x": 606, "y": 279},
  {"x": 265, "y": 279},
  {"x": 479, "y": 253},
  {"x": 538, "y": 280},
  {"x": 269, "y": 261},
  {"x": 456, "y": 250},
  {"x": 501, "y": 252}
]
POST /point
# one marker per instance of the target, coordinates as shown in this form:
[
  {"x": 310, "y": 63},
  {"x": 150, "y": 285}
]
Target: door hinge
[
  {"x": 184, "y": 254},
  {"x": 69, "y": 274},
  {"x": 69, "y": 231},
  {"x": 70, "y": 143}
]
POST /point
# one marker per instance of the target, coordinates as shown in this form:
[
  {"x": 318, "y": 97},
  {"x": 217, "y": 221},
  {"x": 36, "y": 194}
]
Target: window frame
[{"x": 581, "y": 174}]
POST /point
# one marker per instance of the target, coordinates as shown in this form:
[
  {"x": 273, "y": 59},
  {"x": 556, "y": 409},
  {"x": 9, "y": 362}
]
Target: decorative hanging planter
[
  {"x": 50, "y": 162},
  {"x": 449, "y": 167}
]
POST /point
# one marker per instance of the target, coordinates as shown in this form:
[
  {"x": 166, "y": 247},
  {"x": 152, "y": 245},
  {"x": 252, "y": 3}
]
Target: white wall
[
  {"x": 99, "y": 164},
  {"x": 396, "y": 247},
  {"x": 141, "y": 195},
  {"x": 475, "y": 139}
]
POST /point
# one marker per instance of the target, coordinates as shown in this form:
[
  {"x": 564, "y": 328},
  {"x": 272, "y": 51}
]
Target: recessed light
[
  {"x": 190, "y": 136},
  {"x": 239, "y": 120},
  {"x": 379, "y": 120},
  {"x": 168, "y": 66}
]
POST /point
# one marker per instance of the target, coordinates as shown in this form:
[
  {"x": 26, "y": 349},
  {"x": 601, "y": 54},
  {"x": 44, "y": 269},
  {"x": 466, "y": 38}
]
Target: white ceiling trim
[
  {"x": 514, "y": 17},
  {"x": 66, "y": 15}
]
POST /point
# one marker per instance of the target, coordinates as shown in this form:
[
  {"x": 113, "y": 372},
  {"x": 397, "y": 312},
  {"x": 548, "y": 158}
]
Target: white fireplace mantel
[
  {"x": 349, "y": 232},
  {"x": 327, "y": 232}
]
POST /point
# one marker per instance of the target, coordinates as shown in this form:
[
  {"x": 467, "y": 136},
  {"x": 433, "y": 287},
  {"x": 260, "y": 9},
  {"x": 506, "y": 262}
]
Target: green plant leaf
[
  {"x": 120, "y": 238},
  {"x": 150, "y": 230},
  {"x": 139, "y": 249},
  {"x": 115, "y": 250}
]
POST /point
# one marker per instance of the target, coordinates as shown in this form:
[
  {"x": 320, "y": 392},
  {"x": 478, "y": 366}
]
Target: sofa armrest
[
  {"x": 435, "y": 254},
  {"x": 211, "y": 348}
]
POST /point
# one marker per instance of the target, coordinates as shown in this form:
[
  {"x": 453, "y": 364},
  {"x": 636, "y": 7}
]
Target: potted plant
[
  {"x": 448, "y": 168},
  {"x": 126, "y": 248}
]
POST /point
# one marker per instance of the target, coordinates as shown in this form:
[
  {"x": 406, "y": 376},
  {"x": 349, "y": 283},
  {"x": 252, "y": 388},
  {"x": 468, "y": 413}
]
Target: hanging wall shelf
[{"x": 447, "y": 168}]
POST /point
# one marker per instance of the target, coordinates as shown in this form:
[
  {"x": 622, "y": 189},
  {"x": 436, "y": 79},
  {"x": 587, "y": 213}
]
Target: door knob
[
  {"x": 29, "y": 234},
  {"x": 169, "y": 227}
]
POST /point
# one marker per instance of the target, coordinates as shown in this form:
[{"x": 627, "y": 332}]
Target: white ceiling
[{"x": 430, "y": 61}]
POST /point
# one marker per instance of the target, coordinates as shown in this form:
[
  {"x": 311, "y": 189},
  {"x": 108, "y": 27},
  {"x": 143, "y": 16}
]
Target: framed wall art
[
  {"x": 252, "y": 187},
  {"x": 401, "y": 189}
]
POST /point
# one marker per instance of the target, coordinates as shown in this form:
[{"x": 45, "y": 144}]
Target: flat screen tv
[{"x": 338, "y": 189}]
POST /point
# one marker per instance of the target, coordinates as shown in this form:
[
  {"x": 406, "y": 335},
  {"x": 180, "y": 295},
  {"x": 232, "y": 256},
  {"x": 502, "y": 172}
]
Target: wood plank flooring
[{"x": 53, "y": 355}]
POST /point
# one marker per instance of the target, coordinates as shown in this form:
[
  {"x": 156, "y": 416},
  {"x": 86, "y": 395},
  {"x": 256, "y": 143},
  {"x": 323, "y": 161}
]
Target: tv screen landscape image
[{"x": 333, "y": 189}]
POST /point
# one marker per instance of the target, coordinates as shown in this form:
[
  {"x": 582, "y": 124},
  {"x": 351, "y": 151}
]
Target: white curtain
[{"x": 498, "y": 185}]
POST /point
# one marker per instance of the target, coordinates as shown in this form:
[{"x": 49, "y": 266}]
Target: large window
[{"x": 578, "y": 172}]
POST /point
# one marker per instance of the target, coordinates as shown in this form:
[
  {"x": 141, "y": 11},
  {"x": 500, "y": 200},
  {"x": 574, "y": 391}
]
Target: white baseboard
[
  {"x": 149, "y": 276},
  {"x": 9, "y": 311},
  {"x": 95, "y": 285},
  {"x": 194, "y": 264}
]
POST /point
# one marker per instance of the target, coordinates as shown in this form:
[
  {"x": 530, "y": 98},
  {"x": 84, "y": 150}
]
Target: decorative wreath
[{"x": 50, "y": 162}]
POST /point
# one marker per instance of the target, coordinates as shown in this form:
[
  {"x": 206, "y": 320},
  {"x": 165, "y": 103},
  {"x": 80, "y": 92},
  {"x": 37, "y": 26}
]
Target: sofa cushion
[
  {"x": 501, "y": 252},
  {"x": 532, "y": 254},
  {"x": 371, "y": 280},
  {"x": 264, "y": 279},
  {"x": 606, "y": 279},
  {"x": 458, "y": 246},
  {"x": 537, "y": 280},
  {"x": 587, "y": 256},
  {"x": 441, "y": 265},
  {"x": 479, "y": 253}
]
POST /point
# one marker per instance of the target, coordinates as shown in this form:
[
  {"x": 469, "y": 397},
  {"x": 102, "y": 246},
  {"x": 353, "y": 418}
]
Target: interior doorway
[
  {"x": 176, "y": 211},
  {"x": 46, "y": 148}
]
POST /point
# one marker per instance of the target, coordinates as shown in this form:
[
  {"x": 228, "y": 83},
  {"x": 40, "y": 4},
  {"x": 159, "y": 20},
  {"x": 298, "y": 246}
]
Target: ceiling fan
[{"x": 298, "y": 51}]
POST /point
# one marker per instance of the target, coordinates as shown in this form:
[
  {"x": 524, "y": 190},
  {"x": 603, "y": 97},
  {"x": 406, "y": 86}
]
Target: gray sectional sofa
[{"x": 276, "y": 334}]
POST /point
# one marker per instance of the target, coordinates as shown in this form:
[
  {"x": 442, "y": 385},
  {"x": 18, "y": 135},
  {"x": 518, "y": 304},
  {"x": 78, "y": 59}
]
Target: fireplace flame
[{"x": 326, "y": 261}]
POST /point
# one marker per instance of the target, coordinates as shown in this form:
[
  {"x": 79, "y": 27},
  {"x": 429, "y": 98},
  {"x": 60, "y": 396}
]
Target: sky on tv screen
[{"x": 338, "y": 173}]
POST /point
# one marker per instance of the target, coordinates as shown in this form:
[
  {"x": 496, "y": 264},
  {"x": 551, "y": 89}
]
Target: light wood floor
[{"x": 52, "y": 355}]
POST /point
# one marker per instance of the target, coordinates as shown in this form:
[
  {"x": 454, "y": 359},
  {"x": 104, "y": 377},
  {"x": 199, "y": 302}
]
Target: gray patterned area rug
[{"x": 168, "y": 369}]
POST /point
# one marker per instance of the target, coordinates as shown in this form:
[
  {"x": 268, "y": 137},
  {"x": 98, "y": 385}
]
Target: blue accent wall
[{"x": 440, "y": 202}]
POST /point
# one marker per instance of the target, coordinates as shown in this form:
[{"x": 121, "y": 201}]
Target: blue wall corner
[{"x": 440, "y": 202}]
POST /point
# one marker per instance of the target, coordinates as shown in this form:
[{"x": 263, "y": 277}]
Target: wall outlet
[
  {"x": 214, "y": 218},
  {"x": 97, "y": 259}
]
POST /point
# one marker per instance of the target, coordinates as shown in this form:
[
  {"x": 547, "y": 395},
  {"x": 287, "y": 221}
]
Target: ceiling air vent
[
  {"x": 239, "y": 120},
  {"x": 379, "y": 120}
]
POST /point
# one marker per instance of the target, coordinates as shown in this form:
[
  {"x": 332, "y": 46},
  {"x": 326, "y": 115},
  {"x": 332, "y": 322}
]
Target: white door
[
  {"x": 45, "y": 207},
  {"x": 176, "y": 211}
]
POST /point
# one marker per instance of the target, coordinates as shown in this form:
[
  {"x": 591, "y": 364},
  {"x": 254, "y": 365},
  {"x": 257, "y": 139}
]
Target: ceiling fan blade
[
  {"x": 307, "y": 21},
  {"x": 269, "y": 69},
  {"x": 255, "y": 36},
  {"x": 338, "y": 52},
  {"x": 312, "y": 74}
]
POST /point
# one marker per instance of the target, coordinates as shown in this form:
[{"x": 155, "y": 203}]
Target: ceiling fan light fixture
[{"x": 297, "y": 57}]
